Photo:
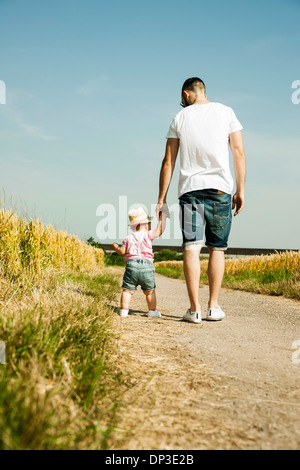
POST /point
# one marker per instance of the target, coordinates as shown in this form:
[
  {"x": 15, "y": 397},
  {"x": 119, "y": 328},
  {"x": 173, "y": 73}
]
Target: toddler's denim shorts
[
  {"x": 139, "y": 272},
  {"x": 209, "y": 210}
]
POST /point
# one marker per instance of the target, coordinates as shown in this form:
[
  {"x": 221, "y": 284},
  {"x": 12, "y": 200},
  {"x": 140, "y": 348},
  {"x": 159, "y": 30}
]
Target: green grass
[
  {"x": 60, "y": 388},
  {"x": 278, "y": 283},
  {"x": 168, "y": 255},
  {"x": 170, "y": 271},
  {"x": 112, "y": 259}
]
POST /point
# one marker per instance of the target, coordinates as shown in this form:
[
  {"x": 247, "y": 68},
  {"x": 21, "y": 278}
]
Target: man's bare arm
[
  {"x": 239, "y": 163},
  {"x": 166, "y": 171}
]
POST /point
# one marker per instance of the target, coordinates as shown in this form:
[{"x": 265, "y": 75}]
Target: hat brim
[{"x": 141, "y": 222}]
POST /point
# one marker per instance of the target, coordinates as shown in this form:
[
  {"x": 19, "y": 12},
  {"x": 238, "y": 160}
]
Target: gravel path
[{"x": 233, "y": 384}]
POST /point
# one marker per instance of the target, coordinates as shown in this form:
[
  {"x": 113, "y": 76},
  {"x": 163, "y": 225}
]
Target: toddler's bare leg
[
  {"x": 151, "y": 299},
  {"x": 126, "y": 298}
]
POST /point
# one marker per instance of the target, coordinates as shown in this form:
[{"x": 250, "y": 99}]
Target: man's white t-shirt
[{"x": 203, "y": 130}]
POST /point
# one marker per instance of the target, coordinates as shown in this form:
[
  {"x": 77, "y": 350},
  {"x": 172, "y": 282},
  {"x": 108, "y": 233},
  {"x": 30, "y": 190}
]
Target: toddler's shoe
[
  {"x": 192, "y": 317},
  {"x": 123, "y": 312},
  {"x": 215, "y": 314},
  {"x": 154, "y": 313}
]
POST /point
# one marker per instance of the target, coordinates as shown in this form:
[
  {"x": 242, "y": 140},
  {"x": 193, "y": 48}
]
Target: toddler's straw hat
[{"x": 138, "y": 216}]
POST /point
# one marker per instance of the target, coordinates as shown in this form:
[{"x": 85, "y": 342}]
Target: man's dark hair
[{"x": 191, "y": 84}]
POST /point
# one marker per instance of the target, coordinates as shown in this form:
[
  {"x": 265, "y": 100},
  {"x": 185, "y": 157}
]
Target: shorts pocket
[{"x": 222, "y": 214}]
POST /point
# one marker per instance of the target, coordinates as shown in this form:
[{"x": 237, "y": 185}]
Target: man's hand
[
  {"x": 162, "y": 207},
  {"x": 238, "y": 202}
]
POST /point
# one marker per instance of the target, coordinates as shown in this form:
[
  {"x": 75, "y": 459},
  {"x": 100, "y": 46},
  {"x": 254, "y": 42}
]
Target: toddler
[{"x": 137, "y": 248}]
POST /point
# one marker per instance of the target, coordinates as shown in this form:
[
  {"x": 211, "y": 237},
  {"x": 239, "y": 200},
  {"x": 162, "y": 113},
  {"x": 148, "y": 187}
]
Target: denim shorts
[
  {"x": 139, "y": 272},
  {"x": 209, "y": 210}
]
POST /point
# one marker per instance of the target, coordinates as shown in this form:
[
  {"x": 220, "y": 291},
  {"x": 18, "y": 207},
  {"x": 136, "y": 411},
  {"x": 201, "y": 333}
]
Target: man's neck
[{"x": 201, "y": 101}]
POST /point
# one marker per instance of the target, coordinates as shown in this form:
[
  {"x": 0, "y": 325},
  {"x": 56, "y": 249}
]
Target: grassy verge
[
  {"x": 60, "y": 386},
  {"x": 277, "y": 274}
]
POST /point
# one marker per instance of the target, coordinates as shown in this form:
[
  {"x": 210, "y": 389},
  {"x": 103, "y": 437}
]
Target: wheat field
[{"x": 28, "y": 245}]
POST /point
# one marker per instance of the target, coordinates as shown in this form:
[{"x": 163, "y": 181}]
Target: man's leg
[
  {"x": 216, "y": 266},
  {"x": 191, "y": 266}
]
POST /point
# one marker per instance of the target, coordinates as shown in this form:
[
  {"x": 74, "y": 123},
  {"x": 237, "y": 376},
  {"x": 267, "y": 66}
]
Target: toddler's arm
[
  {"x": 161, "y": 225},
  {"x": 120, "y": 250}
]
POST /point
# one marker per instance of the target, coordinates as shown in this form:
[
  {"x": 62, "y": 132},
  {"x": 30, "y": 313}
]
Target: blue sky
[{"x": 92, "y": 87}]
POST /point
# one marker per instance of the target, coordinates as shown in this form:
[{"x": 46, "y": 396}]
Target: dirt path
[{"x": 225, "y": 385}]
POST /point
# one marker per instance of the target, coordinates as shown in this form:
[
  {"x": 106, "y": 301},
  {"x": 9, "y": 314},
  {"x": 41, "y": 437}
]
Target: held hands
[
  {"x": 162, "y": 207},
  {"x": 162, "y": 213},
  {"x": 238, "y": 202}
]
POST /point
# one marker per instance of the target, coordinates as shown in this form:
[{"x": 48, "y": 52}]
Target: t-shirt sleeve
[
  {"x": 125, "y": 242},
  {"x": 234, "y": 123},
  {"x": 172, "y": 132}
]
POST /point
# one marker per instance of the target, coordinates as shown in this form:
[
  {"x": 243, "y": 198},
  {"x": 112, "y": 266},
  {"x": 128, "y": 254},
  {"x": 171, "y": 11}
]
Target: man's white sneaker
[
  {"x": 192, "y": 317},
  {"x": 215, "y": 314},
  {"x": 154, "y": 313}
]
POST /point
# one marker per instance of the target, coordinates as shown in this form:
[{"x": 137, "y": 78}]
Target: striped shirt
[{"x": 139, "y": 246}]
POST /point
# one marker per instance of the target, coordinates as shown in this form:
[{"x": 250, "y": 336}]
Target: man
[{"x": 202, "y": 131}]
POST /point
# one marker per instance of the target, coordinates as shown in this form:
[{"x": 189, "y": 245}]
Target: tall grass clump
[{"x": 60, "y": 386}]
